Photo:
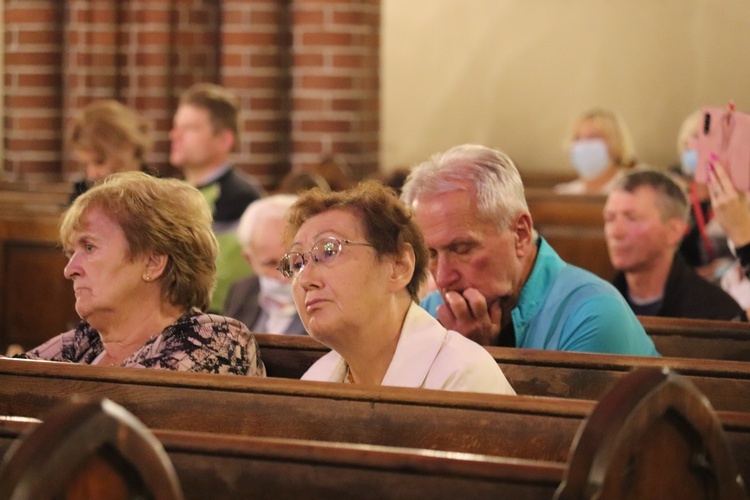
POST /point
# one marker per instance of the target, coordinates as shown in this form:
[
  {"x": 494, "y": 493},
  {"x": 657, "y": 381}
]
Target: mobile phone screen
[{"x": 726, "y": 134}]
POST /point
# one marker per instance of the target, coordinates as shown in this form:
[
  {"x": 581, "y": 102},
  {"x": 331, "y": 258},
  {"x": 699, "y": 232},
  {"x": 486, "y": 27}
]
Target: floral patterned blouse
[{"x": 196, "y": 342}]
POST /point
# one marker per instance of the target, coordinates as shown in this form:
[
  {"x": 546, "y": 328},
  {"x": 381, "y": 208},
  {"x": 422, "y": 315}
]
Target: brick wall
[
  {"x": 255, "y": 64},
  {"x": 335, "y": 82},
  {"x": 306, "y": 73},
  {"x": 33, "y": 87}
]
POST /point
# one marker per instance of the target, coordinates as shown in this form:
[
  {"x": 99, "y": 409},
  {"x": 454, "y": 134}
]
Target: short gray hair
[
  {"x": 493, "y": 175},
  {"x": 274, "y": 206}
]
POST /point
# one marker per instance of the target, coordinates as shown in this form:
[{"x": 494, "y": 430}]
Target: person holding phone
[
  {"x": 704, "y": 245},
  {"x": 731, "y": 210}
]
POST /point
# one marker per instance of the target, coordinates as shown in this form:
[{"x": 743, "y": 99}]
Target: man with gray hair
[
  {"x": 645, "y": 218},
  {"x": 264, "y": 301},
  {"x": 499, "y": 282}
]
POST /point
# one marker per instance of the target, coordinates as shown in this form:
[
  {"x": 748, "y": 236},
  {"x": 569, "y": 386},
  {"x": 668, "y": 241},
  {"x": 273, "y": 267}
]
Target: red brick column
[
  {"x": 255, "y": 42},
  {"x": 33, "y": 88},
  {"x": 335, "y": 82}
]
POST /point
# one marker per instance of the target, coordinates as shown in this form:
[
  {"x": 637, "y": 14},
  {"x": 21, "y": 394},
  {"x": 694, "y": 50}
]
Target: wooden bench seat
[
  {"x": 645, "y": 420},
  {"x": 222, "y": 466},
  {"x": 534, "y": 372},
  {"x": 699, "y": 338},
  {"x": 574, "y": 227},
  {"x": 509, "y": 426}
]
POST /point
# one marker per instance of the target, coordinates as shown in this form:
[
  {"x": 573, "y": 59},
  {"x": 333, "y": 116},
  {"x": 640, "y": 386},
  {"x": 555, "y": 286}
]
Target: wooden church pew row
[
  {"x": 510, "y": 426},
  {"x": 86, "y": 450},
  {"x": 534, "y": 372},
  {"x": 222, "y": 466},
  {"x": 699, "y": 338},
  {"x": 646, "y": 420}
]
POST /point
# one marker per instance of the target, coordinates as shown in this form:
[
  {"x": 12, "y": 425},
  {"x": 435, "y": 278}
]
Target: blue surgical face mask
[
  {"x": 590, "y": 157},
  {"x": 689, "y": 162}
]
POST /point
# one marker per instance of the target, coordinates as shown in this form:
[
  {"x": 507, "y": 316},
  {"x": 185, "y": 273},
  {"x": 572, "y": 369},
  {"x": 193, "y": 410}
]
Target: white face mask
[
  {"x": 590, "y": 157},
  {"x": 277, "y": 291}
]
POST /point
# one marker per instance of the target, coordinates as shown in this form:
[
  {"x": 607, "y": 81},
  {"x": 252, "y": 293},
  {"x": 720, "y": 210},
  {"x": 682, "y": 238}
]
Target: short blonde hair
[
  {"x": 111, "y": 130},
  {"x": 165, "y": 216},
  {"x": 690, "y": 127}
]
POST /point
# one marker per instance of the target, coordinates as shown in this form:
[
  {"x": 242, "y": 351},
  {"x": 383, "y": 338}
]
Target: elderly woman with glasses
[{"x": 356, "y": 261}]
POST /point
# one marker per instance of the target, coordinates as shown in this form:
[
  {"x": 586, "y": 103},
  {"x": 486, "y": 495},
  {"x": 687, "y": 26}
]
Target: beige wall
[{"x": 513, "y": 73}]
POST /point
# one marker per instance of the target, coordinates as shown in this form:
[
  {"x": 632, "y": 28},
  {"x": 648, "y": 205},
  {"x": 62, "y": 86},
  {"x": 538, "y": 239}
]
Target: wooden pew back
[
  {"x": 642, "y": 407},
  {"x": 574, "y": 227},
  {"x": 87, "y": 449},
  {"x": 510, "y": 426},
  {"x": 36, "y": 301},
  {"x": 646, "y": 439},
  {"x": 534, "y": 372},
  {"x": 221, "y": 466},
  {"x": 699, "y": 338}
]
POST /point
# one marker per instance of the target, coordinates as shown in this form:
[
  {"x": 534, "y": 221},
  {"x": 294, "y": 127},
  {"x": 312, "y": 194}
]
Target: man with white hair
[
  {"x": 264, "y": 301},
  {"x": 499, "y": 282}
]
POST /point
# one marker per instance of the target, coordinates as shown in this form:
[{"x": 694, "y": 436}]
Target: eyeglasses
[{"x": 323, "y": 252}]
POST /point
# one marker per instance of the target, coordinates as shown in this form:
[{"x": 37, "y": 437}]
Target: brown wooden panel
[
  {"x": 220, "y": 466},
  {"x": 37, "y": 301},
  {"x": 534, "y": 372}
]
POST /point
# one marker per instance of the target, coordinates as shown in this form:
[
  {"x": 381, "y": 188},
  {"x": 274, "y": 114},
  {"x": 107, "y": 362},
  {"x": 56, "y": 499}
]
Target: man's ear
[
  {"x": 155, "y": 265},
  {"x": 676, "y": 229},
  {"x": 227, "y": 138},
  {"x": 524, "y": 230},
  {"x": 402, "y": 268}
]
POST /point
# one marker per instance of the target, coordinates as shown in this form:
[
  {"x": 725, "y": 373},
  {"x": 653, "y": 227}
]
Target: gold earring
[{"x": 147, "y": 278}]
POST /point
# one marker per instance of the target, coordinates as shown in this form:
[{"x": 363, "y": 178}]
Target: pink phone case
[{"x": 726, "y": 134}]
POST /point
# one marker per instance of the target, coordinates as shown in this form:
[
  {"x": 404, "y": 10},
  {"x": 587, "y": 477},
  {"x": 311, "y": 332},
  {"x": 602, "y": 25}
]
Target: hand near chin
[{"x": 468, "y": 314}]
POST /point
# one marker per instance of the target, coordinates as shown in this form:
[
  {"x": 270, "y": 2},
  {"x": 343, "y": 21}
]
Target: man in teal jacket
[{"x": 499, "y": 282}]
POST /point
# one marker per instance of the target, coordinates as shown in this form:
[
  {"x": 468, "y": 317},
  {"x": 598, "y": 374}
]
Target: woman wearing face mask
[
  {"x": 264, "y": 301},
  {"x": 600, "y": 149}
]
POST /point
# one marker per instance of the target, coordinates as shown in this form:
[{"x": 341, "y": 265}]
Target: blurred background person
[
  {"x": 142, "y": 260},
  {"x": 356, "y": 261},
  {"x": 600, "y": 149},
  {"x": 205, "y": 131},
  {"x": 106, "y": 137},
  {"x": 264, "y": 301},
  {"x": 298, "y": 182},
  {"x": 645, "y": 218},
  {"x": 733, "y": 214},
  {"x": 704, "y": 246}
]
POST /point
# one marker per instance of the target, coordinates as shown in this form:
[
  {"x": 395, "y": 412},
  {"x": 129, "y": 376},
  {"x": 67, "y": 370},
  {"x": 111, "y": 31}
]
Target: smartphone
[{"x": 725, "y": 134}]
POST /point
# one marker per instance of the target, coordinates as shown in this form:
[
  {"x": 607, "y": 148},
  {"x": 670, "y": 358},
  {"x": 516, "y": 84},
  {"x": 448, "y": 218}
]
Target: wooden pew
[
  {"x": 644, "y": 420},
  {"x": 221, "y": 466},
  {"x": 510, "y": 426},
  {"x": 88, "y": 449},
  {"x": 534, "y": 372},
  {"x": 36, "y": 301},
  {"x": 574, "y": 227},
  {"x": 699, "y": 338}
]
